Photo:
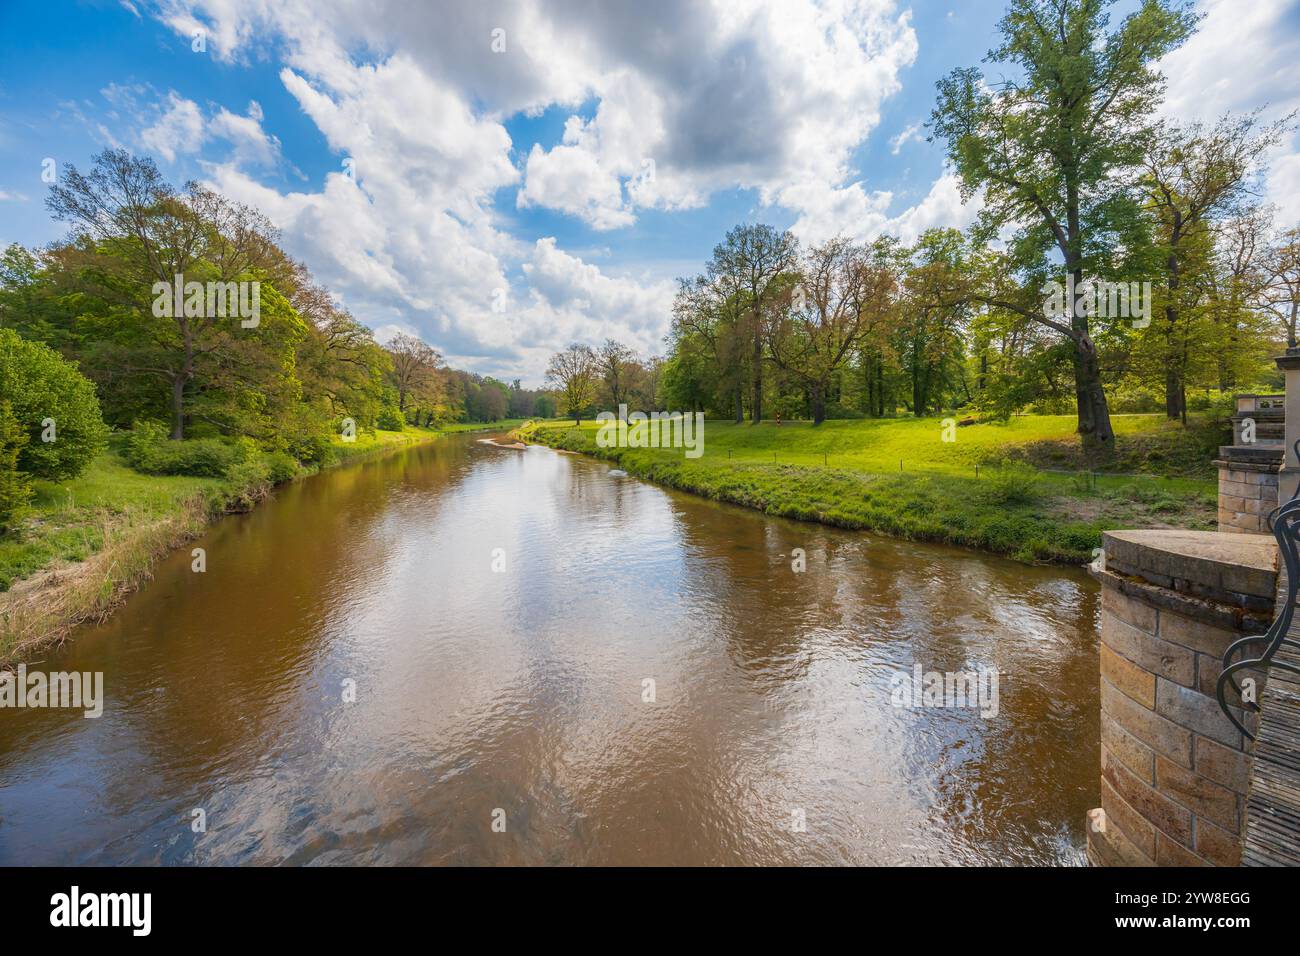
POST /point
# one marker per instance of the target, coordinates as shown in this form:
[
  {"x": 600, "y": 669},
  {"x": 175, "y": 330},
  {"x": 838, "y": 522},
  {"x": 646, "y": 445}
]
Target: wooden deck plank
[{"x": 1273, "y": 803}]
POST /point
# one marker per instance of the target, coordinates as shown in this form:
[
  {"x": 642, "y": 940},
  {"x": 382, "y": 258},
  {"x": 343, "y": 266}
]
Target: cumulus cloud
[
  {"x": 853, "y": 212},
  {"x": 667, "y": 104},
  {"x": 176, "y": 126},
  {"x": 1241, "y": 58},
  {"x": 179, "y": 129}
]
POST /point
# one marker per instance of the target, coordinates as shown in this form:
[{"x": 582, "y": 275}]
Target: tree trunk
[
  {"x": 740, "y": 405},
  {"x": 1173, "y": 393},
  {"x": 178, "y": 407},
  {"x": 818, "y": 399},
  {"x": 756, "y": 406},
  {"x": 1094, "y": 411},
  {"x": 1173, "y": 387}
]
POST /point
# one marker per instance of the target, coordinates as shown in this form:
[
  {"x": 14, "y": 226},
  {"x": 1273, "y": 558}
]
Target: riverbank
[
  {"x": 978, "y": 490},
  {"x": 92, "y": 541}
]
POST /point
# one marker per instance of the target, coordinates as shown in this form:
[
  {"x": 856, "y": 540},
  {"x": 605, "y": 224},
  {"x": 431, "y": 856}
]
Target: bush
[
  {"x": 1013, "y": 483},
  {"x": 15, "y": 488},
  {"x": 390, "y": 419},
  {"x": 312, "y": 448},
  {"x": 250, "y": 482},
  {"x": 41, "y": 385},
  {"x": 150, "y": 451},
  {"x": 280, "y": 467}
]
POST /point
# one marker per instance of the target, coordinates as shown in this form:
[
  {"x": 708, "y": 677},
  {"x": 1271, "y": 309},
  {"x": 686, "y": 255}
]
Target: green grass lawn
[
  {"x": 848, "y": 473},
  {"x": 72, "y": 519}
]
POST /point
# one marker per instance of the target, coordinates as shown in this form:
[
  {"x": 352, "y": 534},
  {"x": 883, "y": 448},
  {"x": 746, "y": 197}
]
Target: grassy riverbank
[
  {"x": 989, "y": 488},
  {"x": 91, "y": 541}
]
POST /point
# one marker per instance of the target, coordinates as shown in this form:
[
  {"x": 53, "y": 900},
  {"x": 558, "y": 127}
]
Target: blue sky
[{"x": 465, "y": 182}]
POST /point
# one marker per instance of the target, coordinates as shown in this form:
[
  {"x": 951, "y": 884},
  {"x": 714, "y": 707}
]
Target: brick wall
[
  {"x": 1174, "y": 771},
  {"x": 1246, "y": 496}
]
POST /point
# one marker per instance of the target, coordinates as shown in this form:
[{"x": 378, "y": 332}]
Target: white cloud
[
  {"x": 1242, "y": 57},
  {"x": 910, "y": 133},
  {"x": 179, "y": 129},
  {"x": 667, "y": 104},
  {"x": 853, "y": 212}
]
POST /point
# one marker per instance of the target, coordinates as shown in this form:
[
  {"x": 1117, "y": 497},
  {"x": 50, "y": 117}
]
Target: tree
[
  {"x": 15, "y": 488},
  {"x": 1282, "y": 293},
  {"x": 137, "y": 232},
  {"x": 616, "y": 362},
  {"x": 1192, "y": 177},
  {"x": 55, "y": 407},
  {"x": 706, "y": 321},
  {"x": 747, "y": 266},
  {"x": 574, "y": 373},
  {"x": 1053, "y": 148},
  {"x": 828, "y": 307},
  {"x": 415, "y": 370}
]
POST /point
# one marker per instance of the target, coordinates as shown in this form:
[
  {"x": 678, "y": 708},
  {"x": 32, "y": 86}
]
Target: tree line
[
  {"x": 175, "y": 314},
  {"x": 1081, "y": 182}
]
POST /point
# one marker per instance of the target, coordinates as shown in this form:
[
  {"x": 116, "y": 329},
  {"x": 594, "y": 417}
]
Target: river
[{"x": 465, "y": 654}]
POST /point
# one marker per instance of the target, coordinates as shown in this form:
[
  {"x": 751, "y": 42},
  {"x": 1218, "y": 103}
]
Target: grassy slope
[
  {"x": 93, "y": 539},
  {"x": 846, "y": 473}
]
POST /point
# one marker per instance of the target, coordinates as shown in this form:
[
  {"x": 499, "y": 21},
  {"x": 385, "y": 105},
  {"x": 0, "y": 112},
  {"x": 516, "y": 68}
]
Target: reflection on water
[{"x": 522, "y": 689}]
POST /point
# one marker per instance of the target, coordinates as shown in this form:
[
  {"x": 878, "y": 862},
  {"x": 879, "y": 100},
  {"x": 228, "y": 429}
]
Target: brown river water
[{"x": 517, "y": 699}]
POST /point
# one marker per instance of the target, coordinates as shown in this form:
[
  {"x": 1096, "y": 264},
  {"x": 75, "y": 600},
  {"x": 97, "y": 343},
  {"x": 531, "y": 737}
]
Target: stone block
[
  {"x": 1171, "y": 661},
  {"x": 1123, "y": 819},
  {"x": 1224, "y": 765},
  {"x": 1129, "y": 679},
  {"x": 1205, "y": 798},
  {"x": 1131, "y": 752},
  {"x": 1217, "y": 845},
  {"x": 1193, "y": 710},
  {"x": 1169, "y": 853},
  {"x": 1161, "y": 735},
  {"x": 1156, "y": 808}
]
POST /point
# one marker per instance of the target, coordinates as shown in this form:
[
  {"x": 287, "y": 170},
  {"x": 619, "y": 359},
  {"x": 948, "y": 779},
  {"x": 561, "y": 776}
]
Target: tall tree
[
  {"x": 575, "y": 373},
  {"x": 749, "y": 264},
  {"x": 1193, "y": 176},
  {"x": 1053, "y": 147},
  {"x": 616, "y": 362},
  {"x": 830, "y": 304},
  {"x": 138, "y": 231},
  {"x": 415, "y": 370},
  {"x": 1282, "y": 294}
]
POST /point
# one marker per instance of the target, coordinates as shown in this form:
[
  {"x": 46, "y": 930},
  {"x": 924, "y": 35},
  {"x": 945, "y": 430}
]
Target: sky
[{"x": 503, "y": 178}]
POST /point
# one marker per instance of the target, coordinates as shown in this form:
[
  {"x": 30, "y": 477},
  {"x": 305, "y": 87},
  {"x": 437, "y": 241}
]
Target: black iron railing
[{"x": 1284, "y": 522}]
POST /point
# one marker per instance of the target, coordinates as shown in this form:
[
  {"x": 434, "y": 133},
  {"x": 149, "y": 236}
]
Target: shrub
[
  {"x": 150, "y": 451},
  {"x": 249, "y": 482},
  {"x": 1013, "y": 483},
  {"x": 390, "y": 419},
  {"x": 281, "y": 467},
  {"x": 41, "y": 385},
  {"x": 312, "y": 448},
  {"x": 15, "y": 488}
]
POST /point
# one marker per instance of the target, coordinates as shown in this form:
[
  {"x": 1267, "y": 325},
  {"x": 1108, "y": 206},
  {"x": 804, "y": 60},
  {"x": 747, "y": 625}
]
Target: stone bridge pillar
[
  {"x": 1289, "y": 476},
  {"x": 1174, "y": 771}
]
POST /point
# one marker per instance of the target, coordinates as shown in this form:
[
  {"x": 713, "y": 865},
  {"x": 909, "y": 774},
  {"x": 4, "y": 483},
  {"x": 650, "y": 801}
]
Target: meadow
[{"x": 1021, "y": 488}]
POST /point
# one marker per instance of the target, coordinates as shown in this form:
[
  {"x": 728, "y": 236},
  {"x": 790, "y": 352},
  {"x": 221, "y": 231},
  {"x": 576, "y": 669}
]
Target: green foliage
[
  {"x": 150, "y": 451},
  {"x": 281, "y": 467},
  {"x": 390, "y": 419},
  {"x": 50, "y": 399},
  {"x": 15, "y": 487},
  {"x": 249, "y": 481}
]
